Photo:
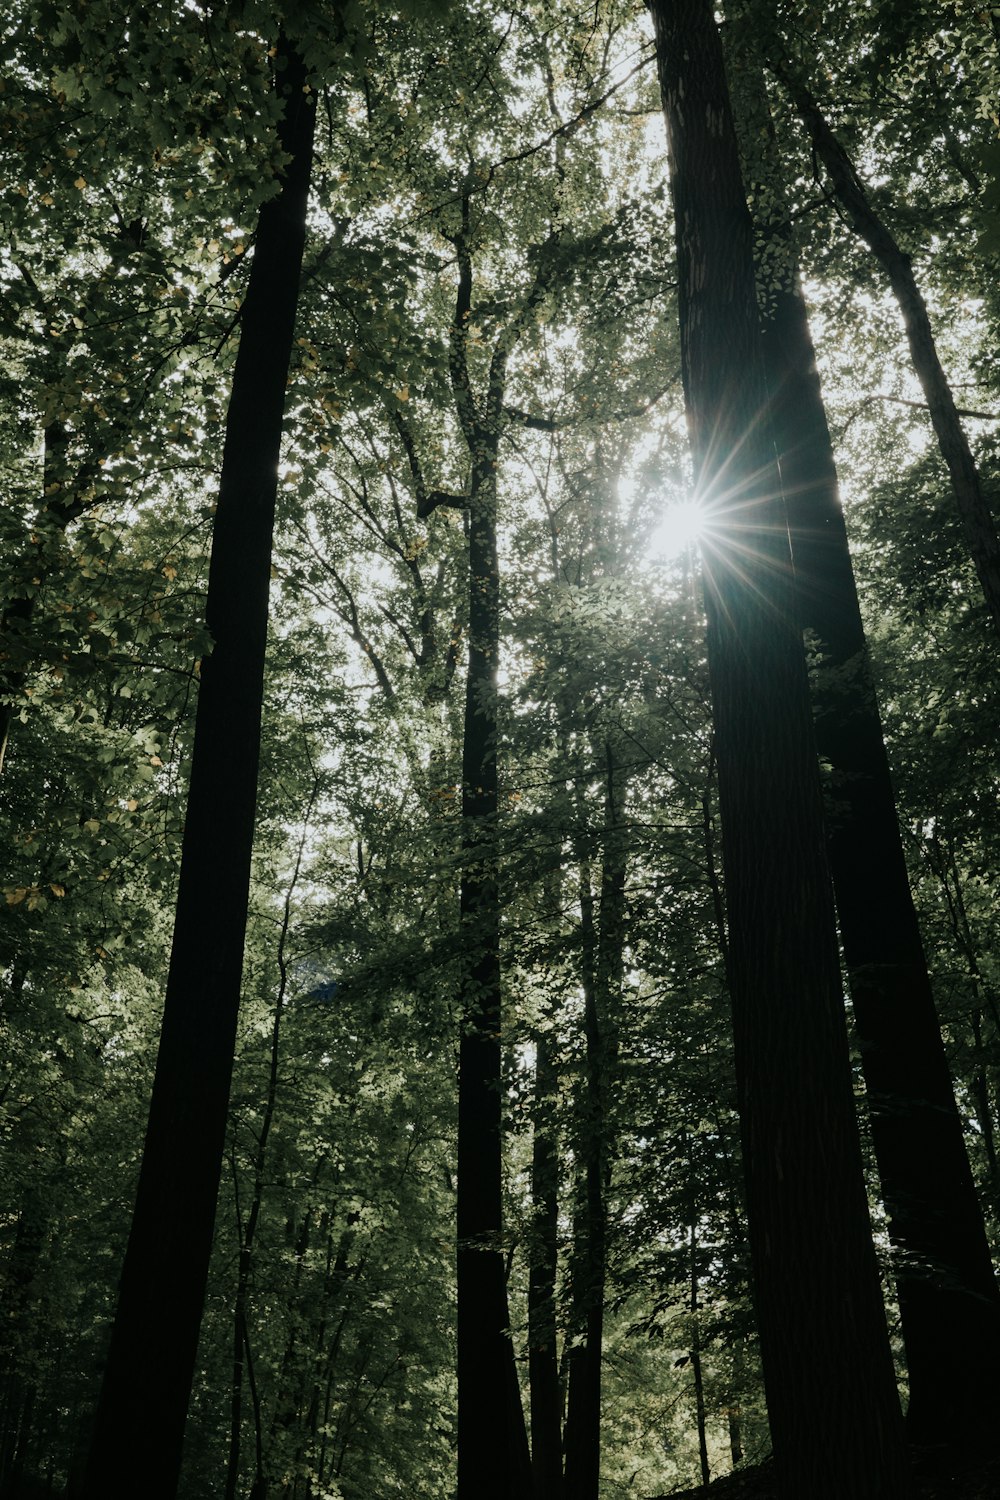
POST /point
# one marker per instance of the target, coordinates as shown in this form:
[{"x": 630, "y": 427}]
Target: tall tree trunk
[
  {"x": 834, "y": 1412},
  {"x": 733, "y": 1412},
  {"x": 583, "y": 1393},
  {"x": 247, "y": 1232},
  {"x": 696, "y": 1370},
  {"x": 141, "y": 1414},
  {"x": 492, "y": 1446},
  {"x": 19, "y": 1306},
  {"x": 602, "y": 969},
  {"x": 974, "y": 510},
  {"x": 543, "y": 1359},
  {"x": 942, "y": 860},
  {"x": 948, "y": 1300},
  {"x": 493, "y": 1456}
]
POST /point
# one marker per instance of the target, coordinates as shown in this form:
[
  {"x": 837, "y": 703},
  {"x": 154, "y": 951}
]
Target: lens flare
[{"x": 680, "y": 529}]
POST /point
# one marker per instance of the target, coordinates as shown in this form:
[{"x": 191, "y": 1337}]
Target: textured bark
[
  {"x": 830, "y": 1386},
  {"x": 977, "y": 519},
  {"x": 948, "y": 1300},
  {"x": 154, "y": 1340}
]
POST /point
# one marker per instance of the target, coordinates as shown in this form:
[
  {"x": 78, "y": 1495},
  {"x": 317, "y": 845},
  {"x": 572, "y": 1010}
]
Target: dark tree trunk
[
  {"x": 493, "y": 1456},
  {"x": 492, "y": 1445},
  {"x": 834, "y": 1412},
  {"x": 483, "y": 1317},
  {"x": 977, "y": 519},
  {"x": 140, "y": 1418},
  {"x": 948, "y": 1300},
  {"x": 696, "y": 1370},
  {"x": 942, "y": 860},
  {"x": 733, "y": 1413},
  {"x": 543, "y": 1359},
  {"x": 19, "y": 1306}
]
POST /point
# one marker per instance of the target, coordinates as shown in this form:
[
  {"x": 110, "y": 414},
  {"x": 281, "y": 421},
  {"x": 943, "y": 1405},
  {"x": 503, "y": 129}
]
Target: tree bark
[
  {"x": 834, "y": 1412},
  {"x": 140, "y": 1418},
  {"x": 493, "y": 1457},
  {"x": 948, "y": 1300},
  {"x": 974, "y": 510}
]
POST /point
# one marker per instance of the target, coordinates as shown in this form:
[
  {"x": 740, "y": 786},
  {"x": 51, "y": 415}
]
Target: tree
[
  {"x": 487, "y": 1379},
  {"x": 801, "y": 1152},
  {"x": 978, "y": 524},
  {"x": 530, "y": 140},
  {"x": 949, "y": 1304},
  {"x": 154, "y": 1340}
]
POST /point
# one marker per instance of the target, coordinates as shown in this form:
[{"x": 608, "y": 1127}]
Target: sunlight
[{"x": 679, "y": 529}]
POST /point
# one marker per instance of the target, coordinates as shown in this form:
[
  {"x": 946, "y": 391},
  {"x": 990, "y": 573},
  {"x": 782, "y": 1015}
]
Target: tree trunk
[
  {"x": 492, "y": 1445},
  {"x": 942, "y": 860},
  {"x": 699, "y": 1383},
  {"x": 20, "y": 1310},
  {"x": 977, "y": 519},
  {"x": 140, "y": 1418},
  {"x": 834, "y": 1412},
  {"x": 948, "y": 1301},
  {"x": 493, "y": 1456},
  {"x": 733, "y": 1413},
  {"x": 247, "y": 1232},
  {"x": 602, "y": 968},
  {"x": 543, "y": 1359}
]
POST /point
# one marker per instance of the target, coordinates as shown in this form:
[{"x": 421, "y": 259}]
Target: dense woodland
[{"x": 581, "y": 1079}]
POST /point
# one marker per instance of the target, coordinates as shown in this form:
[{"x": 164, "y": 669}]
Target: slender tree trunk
[
  {"x": 733, "y": 1412},
  {"x": 583, "y": 1379},
  {"x": 483, "y": 1318},
  {"x": 984, "y": 1107},
  {"x": 942, "y": 860},
  {"x": 602, "y": 944},
  {"x": 699, "y": 1382},
  {"x": 20, "y": 1313},
  {"x": 248, "y": 1231},
  {"x": 492, "y": 1445},
  {"x": 948, "y": 1300},
  {"x": 140, "y": 1418},
  {"x": 834, "y": 1412},
  {"x": 543, "y": 1359},
  {"x": 493, "y": 1456},
  {"x": 974, "y": 510}
]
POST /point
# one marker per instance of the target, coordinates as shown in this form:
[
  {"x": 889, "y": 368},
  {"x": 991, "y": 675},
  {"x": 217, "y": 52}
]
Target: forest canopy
[{"x": 500, "y": 590}]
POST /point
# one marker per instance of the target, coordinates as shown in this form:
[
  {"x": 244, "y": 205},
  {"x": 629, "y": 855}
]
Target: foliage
[{"x": 139, "y": 146}]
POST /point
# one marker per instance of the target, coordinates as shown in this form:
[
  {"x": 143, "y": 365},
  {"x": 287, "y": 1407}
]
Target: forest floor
[{"x": 975, "y": 1477}]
